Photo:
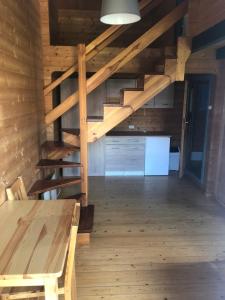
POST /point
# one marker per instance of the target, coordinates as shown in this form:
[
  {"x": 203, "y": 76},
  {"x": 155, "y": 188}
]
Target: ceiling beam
[
  {"x": 53, "y": 20},
  {"x": 209, "y": 37}
]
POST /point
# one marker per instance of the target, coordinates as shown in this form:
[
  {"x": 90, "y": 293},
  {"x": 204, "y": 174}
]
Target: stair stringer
[
  {"x": 71, "y": 139},
  {"x": 55, "y": 154},
  {"x": 59, "y": 154},
  {"x": 133, "y": 100}
]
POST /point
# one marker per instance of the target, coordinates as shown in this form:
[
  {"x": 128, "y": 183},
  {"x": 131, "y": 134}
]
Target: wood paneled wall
[
  {"x": 203, "y": 62},
  {"x": 204, "y": 14},
  {"x": 216, "y": 161},
  {"x": 21, "y": 109},
  {"x": 76, "y": 26},
  {"x": 167, "y": 120}
]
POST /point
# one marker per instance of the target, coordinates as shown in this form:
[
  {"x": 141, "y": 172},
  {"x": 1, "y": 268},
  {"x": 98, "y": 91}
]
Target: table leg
[
  {"x": 51, "y": 289},
  {"x": 74, "y": 285}
]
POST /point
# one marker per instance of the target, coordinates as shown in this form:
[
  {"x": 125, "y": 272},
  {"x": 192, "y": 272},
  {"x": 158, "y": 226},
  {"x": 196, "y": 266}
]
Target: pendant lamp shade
[{"x": 118, "y": 12}]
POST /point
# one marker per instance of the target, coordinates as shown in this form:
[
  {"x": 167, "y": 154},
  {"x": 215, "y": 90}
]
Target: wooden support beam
[
  {"x": 82, "y": 91},
  {"x": 183, "y": 132},
  {"x": 53, "y": 24},
  {"x": 102, "y": 41},
  {"x": 183, "y": 53},
  {"x": 121, "y": 59}
]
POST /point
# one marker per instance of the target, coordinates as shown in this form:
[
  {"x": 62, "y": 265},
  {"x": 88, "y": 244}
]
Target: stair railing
[{"x": 121, "y": 59}]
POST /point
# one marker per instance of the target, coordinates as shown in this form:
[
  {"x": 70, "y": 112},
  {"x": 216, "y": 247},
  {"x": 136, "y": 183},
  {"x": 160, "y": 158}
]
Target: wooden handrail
[
  {"x": 102, "y": 41},
  {"x": 121, "y": 59}
]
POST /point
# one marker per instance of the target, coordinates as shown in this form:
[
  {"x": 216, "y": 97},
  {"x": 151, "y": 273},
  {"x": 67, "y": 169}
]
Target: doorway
[{"x": 198, "y": 107}]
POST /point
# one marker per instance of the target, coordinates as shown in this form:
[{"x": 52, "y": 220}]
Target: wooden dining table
[{"x": 34, "y": 238}]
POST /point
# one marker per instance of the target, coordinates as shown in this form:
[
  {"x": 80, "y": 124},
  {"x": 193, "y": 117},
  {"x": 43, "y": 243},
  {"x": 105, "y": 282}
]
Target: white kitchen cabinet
[
  {"x": 157, "y": 150},
  {"x": 124, "y": 156},
  {"x": 150, "y": 103},
  {"x": 114, "y": 87},
  {"x": 96, "y": 158},
  {"x": 125, "y": 140},
  {"x": 129, "y": 155},
  {"x": 165, "y": 99}
]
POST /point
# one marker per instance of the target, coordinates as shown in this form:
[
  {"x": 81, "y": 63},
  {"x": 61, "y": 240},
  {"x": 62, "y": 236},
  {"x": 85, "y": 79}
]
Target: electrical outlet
[{"x": 131, "y": 126}]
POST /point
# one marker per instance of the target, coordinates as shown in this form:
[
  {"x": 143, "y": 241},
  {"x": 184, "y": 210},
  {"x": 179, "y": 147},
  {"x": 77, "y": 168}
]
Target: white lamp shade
[{"x": 118, "y": 12}]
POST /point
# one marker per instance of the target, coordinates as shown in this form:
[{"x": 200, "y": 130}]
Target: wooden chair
[
  {"x": 17, "y": 191},
  {"x": 67, "y": 283}
]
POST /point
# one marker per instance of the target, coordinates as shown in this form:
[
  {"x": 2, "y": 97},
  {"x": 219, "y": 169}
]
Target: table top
[{"x": 34, "y": 238}]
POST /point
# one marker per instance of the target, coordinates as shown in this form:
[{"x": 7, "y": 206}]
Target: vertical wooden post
[
  {"x": 183, "y": 132},
  {"x": 83, "y": 121}
]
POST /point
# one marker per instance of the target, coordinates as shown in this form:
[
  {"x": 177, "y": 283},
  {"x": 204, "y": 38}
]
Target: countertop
[{"x": 137, "y": 133}]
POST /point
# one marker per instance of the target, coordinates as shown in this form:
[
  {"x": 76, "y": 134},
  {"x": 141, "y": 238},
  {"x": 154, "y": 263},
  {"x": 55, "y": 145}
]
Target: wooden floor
[{"x": 155, "y": 238}]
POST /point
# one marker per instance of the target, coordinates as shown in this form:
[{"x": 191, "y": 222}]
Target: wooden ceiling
[
  {"x": 79, "y": 4},
  {"x": 77, "y": 21}
]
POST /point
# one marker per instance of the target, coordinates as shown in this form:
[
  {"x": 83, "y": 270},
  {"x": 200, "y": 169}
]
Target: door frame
[{"x": 183, "y": 156}]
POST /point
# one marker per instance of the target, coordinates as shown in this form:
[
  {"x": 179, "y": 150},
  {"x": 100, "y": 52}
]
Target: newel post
[{"x": 82, "y": 90}]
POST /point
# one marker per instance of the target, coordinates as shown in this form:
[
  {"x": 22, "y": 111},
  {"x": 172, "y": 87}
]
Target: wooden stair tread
[
  {"x": 41, "y": 186},
  {"x": 56, "y": 163},
  {"x": 86, "y": 219},
  {"x": 73, "y": 131},
  {"x": 95, "y": 118},
  {"x": 55, "y": 145}
]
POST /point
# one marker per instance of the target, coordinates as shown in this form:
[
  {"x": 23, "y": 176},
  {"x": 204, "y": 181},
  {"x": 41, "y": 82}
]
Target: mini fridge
[{"x": 157, "y": 153}]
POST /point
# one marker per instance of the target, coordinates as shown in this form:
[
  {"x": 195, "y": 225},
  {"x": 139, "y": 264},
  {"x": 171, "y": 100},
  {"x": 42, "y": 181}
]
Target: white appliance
[
  {"x": 157, "y": 152},
  {"x": 174, "y": 159}
]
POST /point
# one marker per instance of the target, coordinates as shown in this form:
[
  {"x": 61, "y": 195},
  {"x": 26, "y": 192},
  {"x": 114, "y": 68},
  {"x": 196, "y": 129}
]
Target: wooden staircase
[
  {"x": 57, "y": 164},
  {"x": 58, "y": 150},
  {"x": 45, "y": 185},
  {"x": 92, "y": 128},
  {"x": 55, "y": 152},
  {"x": 134, "y": 98},
  {"x": 120, "y": 60}
]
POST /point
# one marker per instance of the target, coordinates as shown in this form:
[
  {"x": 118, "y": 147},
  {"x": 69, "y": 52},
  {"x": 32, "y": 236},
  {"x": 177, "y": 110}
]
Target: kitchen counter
[
  {"x": 137, "y": 133},
  {"x": 130, "y": 153}
]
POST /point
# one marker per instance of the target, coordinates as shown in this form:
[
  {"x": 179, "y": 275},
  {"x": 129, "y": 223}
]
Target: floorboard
[{"x": 154, "y": 238}]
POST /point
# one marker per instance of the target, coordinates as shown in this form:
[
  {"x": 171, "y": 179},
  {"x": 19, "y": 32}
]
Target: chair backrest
[
  {"x": 70, "y": 266},
  {"x": 17, "y": 191}
]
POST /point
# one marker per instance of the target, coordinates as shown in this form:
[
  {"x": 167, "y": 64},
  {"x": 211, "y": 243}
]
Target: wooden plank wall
[
  {"x": 216, "y": 161},
  {"x": 202, "y": 62},
  {"x": 204, "y": 14},
  {"x": 21, "y": 109}
]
